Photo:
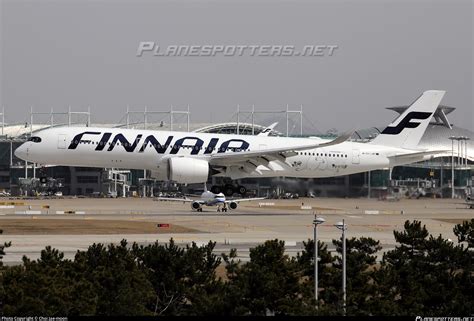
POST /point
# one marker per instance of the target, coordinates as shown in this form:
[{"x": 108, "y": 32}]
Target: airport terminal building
[{"x": 429, "y": 178}]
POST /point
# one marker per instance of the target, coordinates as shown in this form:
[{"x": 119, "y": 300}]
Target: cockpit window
[{"x": 35, "y": 139}]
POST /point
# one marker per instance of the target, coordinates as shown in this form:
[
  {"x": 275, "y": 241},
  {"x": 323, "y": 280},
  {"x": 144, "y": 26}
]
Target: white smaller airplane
[{"x": 208, "y": 198}]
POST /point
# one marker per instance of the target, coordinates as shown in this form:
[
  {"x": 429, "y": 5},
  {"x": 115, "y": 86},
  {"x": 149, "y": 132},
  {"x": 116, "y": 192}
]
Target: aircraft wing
[
  {"x": 192, "y": 195},
  {"x": 238, "y": 200},
  {"x": 262, "y": 157},
  {"x": 171, "y": 199}
]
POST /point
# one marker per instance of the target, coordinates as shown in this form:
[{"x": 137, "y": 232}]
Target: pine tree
[
  {"x": 426, "y": 274},
  {"x": 183, "y": 279},
  {"x": 2, "y": 289},
  {"x": 267, "y": 285}
]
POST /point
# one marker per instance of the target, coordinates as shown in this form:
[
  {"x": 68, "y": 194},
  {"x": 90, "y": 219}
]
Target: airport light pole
[
  {"x": 463, "y": 152},
  {"x": 342, "y": 226},
  {"x": 465, "y": 146},
  {"x": 459, "y": 139},
  {"x": 452, "y": 138},
  {"x": 369, "y": 187},
  {"x": 317, "y": 220},
  {"x": 458, "y": 157},
  {"x": 3, "y": 120}
]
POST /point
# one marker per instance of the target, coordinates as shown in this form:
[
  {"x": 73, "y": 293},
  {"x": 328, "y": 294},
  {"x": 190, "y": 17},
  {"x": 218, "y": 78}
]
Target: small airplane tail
[
  {"x": 406, "y": 131},
  {"x": 267, "y": 130}
]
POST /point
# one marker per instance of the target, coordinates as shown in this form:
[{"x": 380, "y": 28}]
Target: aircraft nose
[{"x": 21, "y": 151}]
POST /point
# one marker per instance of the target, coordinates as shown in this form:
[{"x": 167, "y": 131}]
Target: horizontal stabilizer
[{"x": 418, "y": 154}]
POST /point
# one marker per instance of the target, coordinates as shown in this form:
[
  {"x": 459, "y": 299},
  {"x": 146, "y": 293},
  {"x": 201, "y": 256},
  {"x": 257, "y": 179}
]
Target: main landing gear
[{"x": 229, "y": 189}]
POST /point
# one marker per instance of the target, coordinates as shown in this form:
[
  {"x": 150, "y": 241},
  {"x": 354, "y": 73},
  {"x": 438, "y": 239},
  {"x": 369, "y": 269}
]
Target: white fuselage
[
  {"x": 145, "y": 149},
  {"x": 211, "y": 199}
]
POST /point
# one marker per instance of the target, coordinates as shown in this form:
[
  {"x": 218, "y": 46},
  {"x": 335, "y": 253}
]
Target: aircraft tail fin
[
  {"x": 267, "y": 130},
  {"x": 406, "y": 131}
]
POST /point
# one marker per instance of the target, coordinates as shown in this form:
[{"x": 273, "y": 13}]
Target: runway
[{"x": 137, "y": 220}]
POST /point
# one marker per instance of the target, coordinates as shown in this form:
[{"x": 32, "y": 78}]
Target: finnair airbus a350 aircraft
[{"x": 187, "y": 157}]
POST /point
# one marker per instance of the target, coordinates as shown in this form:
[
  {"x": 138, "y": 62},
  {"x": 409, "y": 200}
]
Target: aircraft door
[
  {"x": 355, "y": 156},
  {"x": 62, "y": 141}
]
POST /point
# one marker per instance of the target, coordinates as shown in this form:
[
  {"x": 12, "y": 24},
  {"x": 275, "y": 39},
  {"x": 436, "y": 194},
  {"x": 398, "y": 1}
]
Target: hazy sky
[{"x": 80, "y": 53}]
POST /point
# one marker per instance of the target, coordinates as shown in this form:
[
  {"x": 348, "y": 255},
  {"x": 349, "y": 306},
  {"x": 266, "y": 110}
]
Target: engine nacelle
[
  {"x": 187, "y": 170},
  {"x": 233, "y": 205},
  {"x": 195, "y": 206}
]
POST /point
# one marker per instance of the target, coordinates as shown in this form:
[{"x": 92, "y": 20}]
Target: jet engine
[
  {"x": 187, "y": 170},
  {"x": 196, "y": 206},
  {"x": 233, "y": 205}
]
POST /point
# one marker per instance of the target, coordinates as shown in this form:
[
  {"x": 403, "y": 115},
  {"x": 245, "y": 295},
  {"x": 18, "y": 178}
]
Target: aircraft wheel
[
  {"x": 242, "y": 190},
  {"x": 228, "y": 190},
  {"x": 216, "y": 189}
]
